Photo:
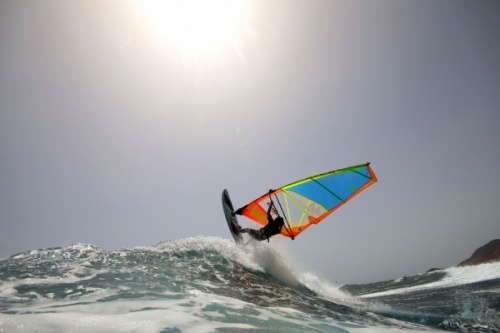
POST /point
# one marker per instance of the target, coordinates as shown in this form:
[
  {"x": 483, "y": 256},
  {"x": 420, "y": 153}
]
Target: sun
[{"x": 195, "y": 28}]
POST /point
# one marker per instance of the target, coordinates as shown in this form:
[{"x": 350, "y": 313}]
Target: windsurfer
[{"x": 273, "y": 227}]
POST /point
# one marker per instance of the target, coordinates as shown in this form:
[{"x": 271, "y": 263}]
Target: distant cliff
[{"x": 486, "y": 253}]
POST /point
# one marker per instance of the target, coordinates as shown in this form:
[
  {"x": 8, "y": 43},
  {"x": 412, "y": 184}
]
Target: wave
[{"x": 193, "y": 284}]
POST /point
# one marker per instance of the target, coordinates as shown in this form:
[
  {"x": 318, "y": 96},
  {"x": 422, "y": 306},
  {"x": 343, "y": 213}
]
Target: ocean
[{"x": 208, "y": 284}]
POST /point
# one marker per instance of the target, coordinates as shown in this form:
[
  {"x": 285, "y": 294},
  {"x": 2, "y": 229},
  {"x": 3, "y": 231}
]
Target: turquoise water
[{"x": 207, "y": 284}]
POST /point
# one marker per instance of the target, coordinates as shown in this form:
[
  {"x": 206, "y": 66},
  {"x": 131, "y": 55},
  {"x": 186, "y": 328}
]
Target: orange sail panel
[{"x": 308, "y": 201}]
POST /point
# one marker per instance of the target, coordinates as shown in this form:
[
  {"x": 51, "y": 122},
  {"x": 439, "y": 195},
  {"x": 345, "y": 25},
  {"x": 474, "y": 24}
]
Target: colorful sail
[{"x": 308, "y": 201}]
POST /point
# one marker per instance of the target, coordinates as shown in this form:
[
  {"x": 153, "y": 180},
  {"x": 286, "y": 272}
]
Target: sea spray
[{"x": 273, "y": 263}]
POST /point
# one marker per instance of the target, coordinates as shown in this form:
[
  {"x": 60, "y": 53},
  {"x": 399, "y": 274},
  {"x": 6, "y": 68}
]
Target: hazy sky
[{"x": 115, "y": 133}]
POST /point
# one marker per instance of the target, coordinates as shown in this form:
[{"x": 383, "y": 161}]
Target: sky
[{"x": 121, "y": 124}]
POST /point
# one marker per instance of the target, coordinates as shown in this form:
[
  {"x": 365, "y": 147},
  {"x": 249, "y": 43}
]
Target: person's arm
[{"x": 269, "y": 216}]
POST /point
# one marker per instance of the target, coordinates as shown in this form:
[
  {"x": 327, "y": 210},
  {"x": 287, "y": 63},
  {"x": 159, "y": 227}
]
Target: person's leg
[{"x": 256, "y": 234}]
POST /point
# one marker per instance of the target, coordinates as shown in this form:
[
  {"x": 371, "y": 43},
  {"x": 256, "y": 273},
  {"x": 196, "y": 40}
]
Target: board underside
[{"x": 232, "y": 221}]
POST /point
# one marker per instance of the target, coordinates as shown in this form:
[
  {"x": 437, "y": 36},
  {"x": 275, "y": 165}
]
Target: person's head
[{"x": 279, "y": 220}]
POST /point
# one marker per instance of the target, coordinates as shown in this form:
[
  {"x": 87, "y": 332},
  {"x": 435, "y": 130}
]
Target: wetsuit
[{"x": 273, "y": 227}]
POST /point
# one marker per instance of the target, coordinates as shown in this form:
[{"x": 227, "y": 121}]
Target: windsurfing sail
[{"x": 308, "y": 201}]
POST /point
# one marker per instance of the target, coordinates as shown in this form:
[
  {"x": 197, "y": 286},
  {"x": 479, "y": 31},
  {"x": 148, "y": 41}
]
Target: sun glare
[{"x": 195, "y": 28}]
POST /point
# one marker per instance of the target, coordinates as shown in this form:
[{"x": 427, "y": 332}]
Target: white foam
[
  {"x": 329, "y": 291},
  {"x": 455, "y": 276},
  {"x": 120, "y": 315},
  {"x": 131, "y": 316}
]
